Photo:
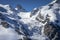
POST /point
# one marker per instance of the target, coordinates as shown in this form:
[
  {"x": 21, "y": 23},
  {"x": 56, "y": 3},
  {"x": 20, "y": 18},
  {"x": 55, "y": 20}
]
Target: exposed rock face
[
  {"x": 2, "y": 9},
  {"x": 50, "y": 14},
  {"x": 20, "y": 8},
  {"x": 5, "y": 24},
  {"x": 52, "y": 32},
  {"x": 58, "y": 1},
  {"x": 44, "y": 22}
]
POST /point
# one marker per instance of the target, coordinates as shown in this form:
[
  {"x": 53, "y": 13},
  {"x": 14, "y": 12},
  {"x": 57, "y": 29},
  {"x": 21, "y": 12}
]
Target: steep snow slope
[
  {"x": 25, "y": 26},
  {"x": 35, "y": 27},
  {"x": 10, "y": 24},
  {"x": 25, "y": 16},
  {"x": 6, "y": 32},
  {"x": 50, "y": 16},
  {"x": 41, "y": 24},
  {"x": 51, "y": 10}
]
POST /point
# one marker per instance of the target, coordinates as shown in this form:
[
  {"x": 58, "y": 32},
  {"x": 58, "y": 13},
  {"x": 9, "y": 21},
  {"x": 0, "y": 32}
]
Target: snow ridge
[{"x": 21, "y": 25}]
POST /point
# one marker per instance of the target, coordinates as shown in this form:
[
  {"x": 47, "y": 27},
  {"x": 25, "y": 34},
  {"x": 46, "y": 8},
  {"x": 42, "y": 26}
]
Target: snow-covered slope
[
  {"x": 52, "y": 10},
  {"x": 6, "y": 33},
  {"x": 49, "y": 15},
  {"x": 19, "y": 24},
  {"x": 42, "y": 23}
]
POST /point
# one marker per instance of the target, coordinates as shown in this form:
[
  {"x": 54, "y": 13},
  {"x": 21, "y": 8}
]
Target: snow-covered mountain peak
[
  {"x": 24, "y": 15},
  {"x": 49, "y": 16},
  {"x": 52, "y": 9},
  {"x": 6, "y": 9},
  {"x": 5, "y": 6},
  {"x": 39, "y": 24},
  {"x": 20, "y": 8}
]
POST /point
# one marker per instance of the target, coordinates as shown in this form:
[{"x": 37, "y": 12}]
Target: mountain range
[{"x": 42, "y": 23}]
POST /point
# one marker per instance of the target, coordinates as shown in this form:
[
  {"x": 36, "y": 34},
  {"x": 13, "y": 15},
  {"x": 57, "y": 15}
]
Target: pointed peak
[
  {"x": 20, "y": 8},
  {"x": 55, "y": 1}
]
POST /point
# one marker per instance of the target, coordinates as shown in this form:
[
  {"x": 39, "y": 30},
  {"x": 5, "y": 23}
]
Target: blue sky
[{"x": 27, "y": 4}]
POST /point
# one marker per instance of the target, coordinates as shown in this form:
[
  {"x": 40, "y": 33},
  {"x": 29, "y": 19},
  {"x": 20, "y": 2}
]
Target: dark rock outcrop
[{"x": 52, "y": 32}]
